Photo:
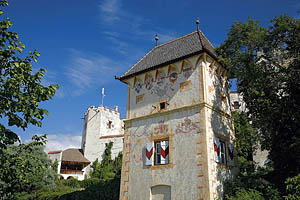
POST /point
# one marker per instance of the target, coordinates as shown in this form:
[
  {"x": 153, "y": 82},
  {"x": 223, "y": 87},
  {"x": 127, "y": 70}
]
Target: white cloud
[
  {"x": 119, "y": 24},
  {"x": 87, "y": 70},
  {"x": 109, "y": 10},
  {"x": 62, "y": 142}
]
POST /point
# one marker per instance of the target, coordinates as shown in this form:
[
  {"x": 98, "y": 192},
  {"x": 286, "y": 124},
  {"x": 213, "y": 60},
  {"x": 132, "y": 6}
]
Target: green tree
[
  {"x": 266, "y": 63},
  {"x": 25, "y": 169},
  {"x": 250, "y": 181},
  {"x": 109, "y": 168},
  {"x": 246, "y": 136},
  {"x": 21, "y": 90},
  {"x": 293, "y": 188}
]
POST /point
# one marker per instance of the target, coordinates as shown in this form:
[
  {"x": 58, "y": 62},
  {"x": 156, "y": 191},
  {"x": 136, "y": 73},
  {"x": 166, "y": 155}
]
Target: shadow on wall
[{"x": 221, "y": 128}]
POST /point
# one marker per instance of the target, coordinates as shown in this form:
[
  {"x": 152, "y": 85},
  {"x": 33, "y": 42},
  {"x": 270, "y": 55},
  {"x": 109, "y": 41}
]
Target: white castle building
[{"x": 101, "y": 126}]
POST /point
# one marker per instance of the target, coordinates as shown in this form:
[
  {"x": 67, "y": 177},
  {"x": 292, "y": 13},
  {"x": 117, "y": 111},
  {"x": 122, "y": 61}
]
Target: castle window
[
  {"x": 236, "y": 105},
  {"x": 220, "y": 151},
  {"x": 160, "y": 150},
  {"x": 224, "y": 152},
  {"x": 109, "y": 124},
  {"x": 162, "y": 105}
]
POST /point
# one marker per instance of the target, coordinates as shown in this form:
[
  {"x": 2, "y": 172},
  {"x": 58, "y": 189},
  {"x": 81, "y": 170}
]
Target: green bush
[
  {"x": 72, "y": 182},
  {"x": 86, "y": 183},
  {"x": 244, "y": 194}
]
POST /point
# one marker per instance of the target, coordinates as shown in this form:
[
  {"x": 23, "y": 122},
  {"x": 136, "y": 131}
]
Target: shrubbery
[{"x": 103, "y": 184}]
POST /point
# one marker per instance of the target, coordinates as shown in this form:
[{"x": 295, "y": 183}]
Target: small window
[
  {"x": 162, "y": 105},
  {"x": 236, "y": 105},
  {"x": 109, "y": 124},
  {"x": 161, "y": 149},
  {"x": 220, "y": 151},
  {"x": 157, "y": 157}
]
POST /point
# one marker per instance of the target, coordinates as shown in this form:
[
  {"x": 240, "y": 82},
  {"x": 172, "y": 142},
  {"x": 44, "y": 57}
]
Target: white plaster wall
[
  {"x": 220, "y": 126},
  {"x": 56, "y": 156},
  {"x": 113, "y": 116},
  {"x": 216, "y": 86},
  {"x": 79, "y": 177},
  {"x": 91, "y": 134},
  {"x": 96, "y": 133}
]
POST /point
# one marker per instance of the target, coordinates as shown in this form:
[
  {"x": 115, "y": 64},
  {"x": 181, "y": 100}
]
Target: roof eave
[{"x": 123, "y": 78}]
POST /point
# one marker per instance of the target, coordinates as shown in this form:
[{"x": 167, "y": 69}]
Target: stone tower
[
  {"x": 178, "y": 130},
  {"x": 101, "y": 125}
]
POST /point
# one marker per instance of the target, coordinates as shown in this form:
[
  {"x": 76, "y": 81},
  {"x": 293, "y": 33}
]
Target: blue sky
[{"x": 83, "y": 44}]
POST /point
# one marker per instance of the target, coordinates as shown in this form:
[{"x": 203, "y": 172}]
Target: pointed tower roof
[{"x": 171, "y": 51}]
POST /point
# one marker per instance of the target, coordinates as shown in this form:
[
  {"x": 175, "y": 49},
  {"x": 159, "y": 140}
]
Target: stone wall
[{"x": 101, "y": 126}]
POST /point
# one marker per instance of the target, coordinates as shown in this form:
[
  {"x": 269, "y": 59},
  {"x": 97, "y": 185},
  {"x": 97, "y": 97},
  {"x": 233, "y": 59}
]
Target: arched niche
[{"x": 160, "y": 192}]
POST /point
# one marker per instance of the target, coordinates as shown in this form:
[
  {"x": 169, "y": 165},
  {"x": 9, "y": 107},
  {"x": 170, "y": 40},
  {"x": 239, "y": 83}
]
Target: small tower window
[
  {"x": 162, "y": 105},
  {"x": 236, "y": 105},
  {"x": 109, "y": 124}
]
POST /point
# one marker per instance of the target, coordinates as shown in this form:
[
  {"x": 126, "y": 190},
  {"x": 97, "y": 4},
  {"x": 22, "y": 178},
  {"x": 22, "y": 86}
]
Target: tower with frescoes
[{"x": 178, "y": 130}]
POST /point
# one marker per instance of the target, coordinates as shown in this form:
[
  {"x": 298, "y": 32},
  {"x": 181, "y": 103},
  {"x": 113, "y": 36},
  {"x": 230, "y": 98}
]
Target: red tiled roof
[{"x": 57, "y": 151}]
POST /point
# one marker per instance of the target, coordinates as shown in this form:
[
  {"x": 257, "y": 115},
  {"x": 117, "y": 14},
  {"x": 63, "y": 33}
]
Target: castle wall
[
  {"x": 101, "y": 126},
  {"x": 56, "y": 156}
]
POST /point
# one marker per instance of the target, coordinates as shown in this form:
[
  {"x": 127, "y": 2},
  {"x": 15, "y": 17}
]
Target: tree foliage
[
  {"x": 250, "y": 181},
  {"x": 293, "y": 188},
  {"x": 246, "y": 137},
  {"x": 266, "y": 63},
  {"x": 25, "y": 169},
  {"x": 109, "y": 168},
  {"x": 21, "y": 90}
]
